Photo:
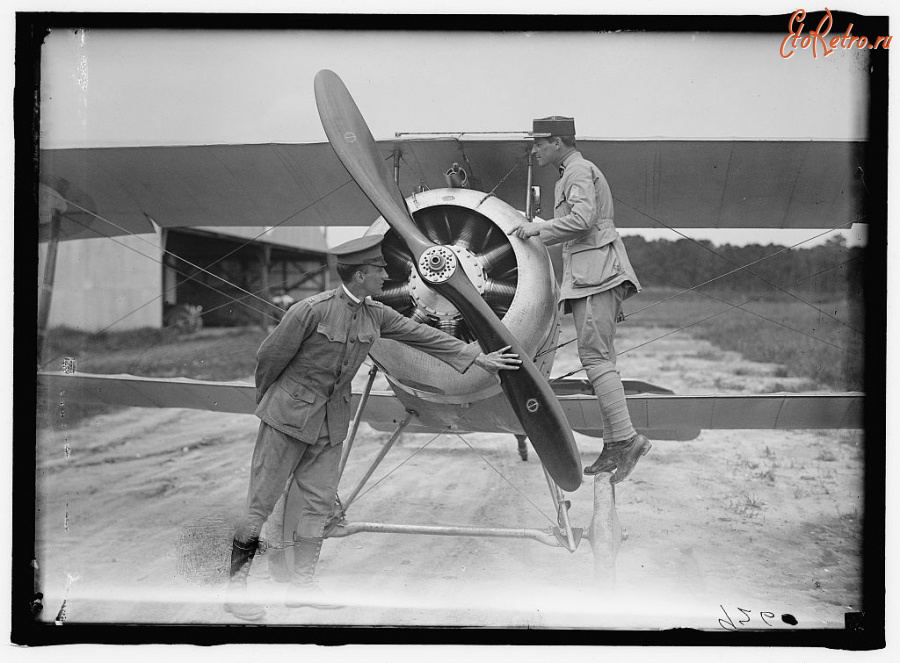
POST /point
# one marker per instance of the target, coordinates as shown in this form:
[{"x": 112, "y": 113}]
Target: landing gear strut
[{"x": 522, "y": 442}]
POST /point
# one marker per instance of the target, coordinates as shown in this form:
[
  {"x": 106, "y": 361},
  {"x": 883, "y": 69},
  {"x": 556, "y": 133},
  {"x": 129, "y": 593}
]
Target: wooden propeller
[{"x": 527, "y": 390}]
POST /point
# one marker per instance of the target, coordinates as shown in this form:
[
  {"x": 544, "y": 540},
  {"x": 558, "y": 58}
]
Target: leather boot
[
  {"x": 303, "y": 591},
  {"x": 236, "y": 593},
  {"x": 620, "y": 456}
]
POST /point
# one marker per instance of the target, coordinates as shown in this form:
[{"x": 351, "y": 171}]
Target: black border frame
[{"x": 865, "y": 630}]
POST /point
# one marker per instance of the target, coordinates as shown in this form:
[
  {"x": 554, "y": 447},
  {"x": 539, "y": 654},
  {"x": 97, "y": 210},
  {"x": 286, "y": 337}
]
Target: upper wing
[
  {"x": 208, "y": 185},
  {"x": 685, "y": 184},
  {"x": 676, "y": 183},
  {"x": 732, "y": 184},
  {"x": 651, "y": 412}
]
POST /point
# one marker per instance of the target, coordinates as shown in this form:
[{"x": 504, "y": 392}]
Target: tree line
[{"x": 826, "y": 271}]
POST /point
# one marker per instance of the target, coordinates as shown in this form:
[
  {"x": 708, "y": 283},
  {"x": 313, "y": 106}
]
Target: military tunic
[
  {"x": 304, "y": 372},
  {"x": 594, "y": 257}
]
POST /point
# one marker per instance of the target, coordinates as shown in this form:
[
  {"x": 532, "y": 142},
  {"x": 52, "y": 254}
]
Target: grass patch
[
  {"x": 747, "y": 505},
  {"x": 807, "y": 342},
  {"x": 710, "y": 354},
  {"x": 766, "y": 475},
  {"x": 212, "y": 354},
  {"x": 744, "y": 462},
  {"x": 826, "y": 455}
]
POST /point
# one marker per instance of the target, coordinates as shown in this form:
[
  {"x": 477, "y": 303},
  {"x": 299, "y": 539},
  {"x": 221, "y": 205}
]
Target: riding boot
[
  {"x": 303, "y": 591},
  {"x": 620, "y": 457},
  {"x": 236, "y": 593}
]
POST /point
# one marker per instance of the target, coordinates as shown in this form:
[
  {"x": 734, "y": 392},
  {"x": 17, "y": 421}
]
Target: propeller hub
[
  {"x": 427, "y": 298},
  {"x": 437, "y": 264}
]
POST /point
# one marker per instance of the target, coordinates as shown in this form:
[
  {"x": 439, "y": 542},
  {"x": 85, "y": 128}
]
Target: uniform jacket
[
  {"x": 305, "y": 366},
  {"x": 594, "y": 257}
]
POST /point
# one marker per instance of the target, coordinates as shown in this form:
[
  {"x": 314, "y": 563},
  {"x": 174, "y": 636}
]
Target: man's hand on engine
[{"x": 499, "y": 360}]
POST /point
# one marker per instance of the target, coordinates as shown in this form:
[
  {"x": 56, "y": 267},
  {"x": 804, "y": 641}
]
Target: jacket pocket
[
  {"x": 594, "y": 266},
  {"x": 297, "y": 391},
  {"x": 333, "y": 334},
  {"x": 291, "y": 404}
]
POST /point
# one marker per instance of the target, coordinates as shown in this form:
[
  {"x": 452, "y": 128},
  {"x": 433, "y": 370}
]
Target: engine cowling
[{"x": 515, "y": 277}]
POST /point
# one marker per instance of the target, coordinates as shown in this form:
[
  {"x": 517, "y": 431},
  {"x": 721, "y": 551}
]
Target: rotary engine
[{"x": 513, "y": 276}]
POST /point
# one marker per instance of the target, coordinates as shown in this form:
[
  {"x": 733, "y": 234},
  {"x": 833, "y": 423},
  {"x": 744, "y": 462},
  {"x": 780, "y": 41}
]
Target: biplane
[{"x": 444, "y": 203}]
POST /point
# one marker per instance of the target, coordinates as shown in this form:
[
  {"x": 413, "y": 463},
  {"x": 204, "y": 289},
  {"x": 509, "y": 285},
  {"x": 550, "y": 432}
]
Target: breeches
[
  {"x": 276, "y": 458},
  {"x": 595, "y": 323}
]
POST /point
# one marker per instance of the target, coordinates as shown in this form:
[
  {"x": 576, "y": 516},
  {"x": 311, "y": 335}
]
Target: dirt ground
[{"x": 734, "y": 530}]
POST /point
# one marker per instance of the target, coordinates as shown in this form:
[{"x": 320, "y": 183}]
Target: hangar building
[{"x": 155, "y": 279}]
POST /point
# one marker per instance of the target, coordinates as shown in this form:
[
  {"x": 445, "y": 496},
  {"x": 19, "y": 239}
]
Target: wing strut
[
  {"x": 348, "y": 443},
  {"x": 380, "y": 457}
]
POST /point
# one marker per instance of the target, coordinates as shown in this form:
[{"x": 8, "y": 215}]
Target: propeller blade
[
  {"x": 529, "y": 394},
  {"x": 351, "y": 139}
]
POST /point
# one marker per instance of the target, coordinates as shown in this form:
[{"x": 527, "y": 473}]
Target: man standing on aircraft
[
  {"x": 597, "y": 278},
  {"x": 303, "y": 377}
]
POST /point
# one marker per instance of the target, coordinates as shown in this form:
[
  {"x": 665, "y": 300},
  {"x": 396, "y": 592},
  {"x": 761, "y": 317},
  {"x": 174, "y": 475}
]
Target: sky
[
  {"x": 166, "y": 87},
  {"x": 109, "y": 88}
]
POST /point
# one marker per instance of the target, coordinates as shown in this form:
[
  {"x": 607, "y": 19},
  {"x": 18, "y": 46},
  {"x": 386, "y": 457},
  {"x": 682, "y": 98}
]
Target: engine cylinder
[{"x": 514, "y": 276}]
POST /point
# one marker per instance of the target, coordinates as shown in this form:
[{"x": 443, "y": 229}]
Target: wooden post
[{"x": 605, "y": 532}]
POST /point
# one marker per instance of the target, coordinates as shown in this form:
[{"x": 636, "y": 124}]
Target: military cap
[
  {"x": 365, "y": 250},
  {"x": 554, "y": 125}
]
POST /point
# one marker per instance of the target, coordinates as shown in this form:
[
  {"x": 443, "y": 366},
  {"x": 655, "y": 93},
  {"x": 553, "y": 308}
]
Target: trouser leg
[
  {"x": 274, "y": 457},
  {"x": 595, "y": 325},
  {"x": 316, "y": 477}
]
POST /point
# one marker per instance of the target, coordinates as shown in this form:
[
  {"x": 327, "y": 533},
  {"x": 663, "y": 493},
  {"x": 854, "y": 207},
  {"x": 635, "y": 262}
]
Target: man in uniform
[
  {"x": 303, "y": 377},
  {"x": 597, "y": 278}
]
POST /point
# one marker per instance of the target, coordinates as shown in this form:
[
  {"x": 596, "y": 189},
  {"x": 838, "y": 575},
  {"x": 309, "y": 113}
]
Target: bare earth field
[{"x": 134, "y": 513}]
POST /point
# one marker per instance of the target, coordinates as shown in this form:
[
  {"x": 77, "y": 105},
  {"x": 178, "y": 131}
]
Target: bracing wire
[
  {"x": 746, "y": 266},
  {"x": 218, "y": 260},
  {"x": 731, "y": 307},
  {"x": 206, "y": 285},
  {"x": 167, "y": 252},
  {"x": 458, "y": 420},
  {"x": 502, "y": 476},
  {"x": 716, "y": 278},
  {"x": 187, "y": 276}
]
